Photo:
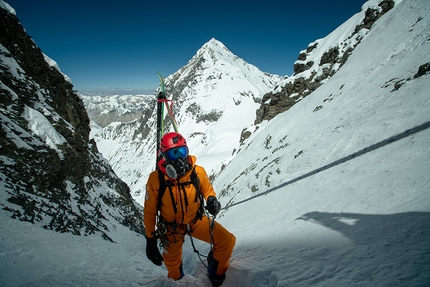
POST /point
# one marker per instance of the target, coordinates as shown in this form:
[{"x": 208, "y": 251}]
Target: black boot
[
  {"x": 181, "y": 271},
  {"x": 215, "y": 278}
]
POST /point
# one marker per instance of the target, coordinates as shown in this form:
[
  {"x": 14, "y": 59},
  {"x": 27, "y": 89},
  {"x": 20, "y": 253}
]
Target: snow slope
[
  {"x": 364, "y": 222},
  {"x": 361, "y": 222}
]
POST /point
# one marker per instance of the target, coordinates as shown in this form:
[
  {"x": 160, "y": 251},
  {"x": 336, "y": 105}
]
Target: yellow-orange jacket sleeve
[
  {"x": 150, "y": 204},
  {"x": 205, "y": 184}
]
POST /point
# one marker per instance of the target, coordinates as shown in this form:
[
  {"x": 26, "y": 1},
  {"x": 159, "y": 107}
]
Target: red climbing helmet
[{"x": 173, "y": 146}]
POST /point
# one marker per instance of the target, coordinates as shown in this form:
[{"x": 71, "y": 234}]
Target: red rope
[{"x": 169, "y": 108}]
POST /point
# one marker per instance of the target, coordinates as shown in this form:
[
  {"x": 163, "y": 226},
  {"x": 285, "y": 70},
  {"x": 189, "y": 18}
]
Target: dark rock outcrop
[
  {"x": 52, "y": 173},
  {"x": 330, "y": 62}
]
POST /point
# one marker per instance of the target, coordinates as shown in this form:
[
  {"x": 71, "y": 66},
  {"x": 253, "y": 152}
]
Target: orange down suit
[{"x": 186, "y": 211}]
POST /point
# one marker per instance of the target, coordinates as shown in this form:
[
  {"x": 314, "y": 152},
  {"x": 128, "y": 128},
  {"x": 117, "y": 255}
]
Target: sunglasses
[{"x": 177, "y": 152}]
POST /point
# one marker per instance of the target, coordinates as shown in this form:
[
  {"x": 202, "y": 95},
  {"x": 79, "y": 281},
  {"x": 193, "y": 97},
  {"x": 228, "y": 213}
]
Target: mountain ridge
[{"x": 52, "y": 174}]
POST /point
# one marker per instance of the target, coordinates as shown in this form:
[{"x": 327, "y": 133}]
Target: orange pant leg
[
  {"x": 173, "y": 255},
  {"x": 223, "y": 241}
]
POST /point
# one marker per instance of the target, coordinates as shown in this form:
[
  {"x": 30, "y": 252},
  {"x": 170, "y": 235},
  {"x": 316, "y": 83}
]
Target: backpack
[{"x": 194, "y": 180}]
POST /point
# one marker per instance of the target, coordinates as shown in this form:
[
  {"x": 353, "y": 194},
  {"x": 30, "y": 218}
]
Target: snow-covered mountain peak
[
  {"x": 213, "y": 45},
  {"x": 215, "y": 64},
  {"x": 215, "y": 90},
  {"x": 214, "y": 51},
  {"x": 7, "y": 7}
]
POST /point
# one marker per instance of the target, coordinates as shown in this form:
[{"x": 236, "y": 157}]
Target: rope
[
  {"x": 373, "y": 147},
  {"x": 170, "y": 112},
  {"x": 211, "y": 227}
]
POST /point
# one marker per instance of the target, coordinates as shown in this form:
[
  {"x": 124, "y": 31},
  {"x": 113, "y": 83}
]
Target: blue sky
[{"x": 118, "y": 45}]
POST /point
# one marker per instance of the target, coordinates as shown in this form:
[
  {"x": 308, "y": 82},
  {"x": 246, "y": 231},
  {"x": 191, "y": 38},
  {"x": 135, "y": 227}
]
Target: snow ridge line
[{"x": 368, "y": 149}]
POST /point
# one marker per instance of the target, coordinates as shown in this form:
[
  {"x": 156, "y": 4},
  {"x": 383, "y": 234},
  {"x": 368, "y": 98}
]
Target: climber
[{"x": 174, "y": 207}]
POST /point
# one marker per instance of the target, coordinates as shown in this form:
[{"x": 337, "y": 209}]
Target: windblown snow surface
[{"x": 353, "y": 208}]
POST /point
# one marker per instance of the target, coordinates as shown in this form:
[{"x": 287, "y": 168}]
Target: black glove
[
  {"x": 213, "y": 205},
  {"x": 152, "y": 251}
]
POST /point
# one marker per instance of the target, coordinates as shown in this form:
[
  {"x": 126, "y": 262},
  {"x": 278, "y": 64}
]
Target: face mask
[{"x": 177, "y": 168}]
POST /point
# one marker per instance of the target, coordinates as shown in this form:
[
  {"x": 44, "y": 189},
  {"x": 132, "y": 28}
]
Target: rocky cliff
[
  {"x": 51, "y": 173},
  {"x": 319, "y": 62}
]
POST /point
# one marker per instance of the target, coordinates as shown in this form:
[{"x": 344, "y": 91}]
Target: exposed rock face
[
  {"x": 301, "y": 83},
  {"x": 51, "y": 173}
]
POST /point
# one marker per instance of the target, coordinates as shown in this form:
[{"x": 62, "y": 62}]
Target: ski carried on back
[
  {"x": 160, "y": 119},
  {"x": 163, "y": 103}
]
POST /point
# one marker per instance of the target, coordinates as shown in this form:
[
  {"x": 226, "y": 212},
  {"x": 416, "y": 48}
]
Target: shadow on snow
[{"x": 385, "y": 250}]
